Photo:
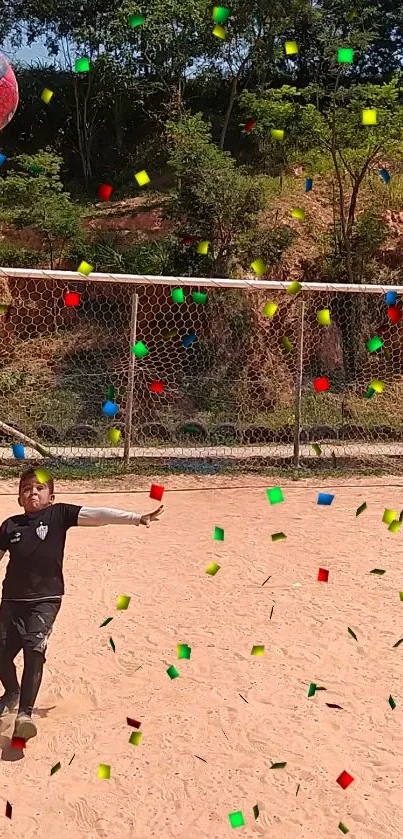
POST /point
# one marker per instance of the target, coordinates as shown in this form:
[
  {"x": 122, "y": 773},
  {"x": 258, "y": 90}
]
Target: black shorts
[{"x": 27, "y": 625}]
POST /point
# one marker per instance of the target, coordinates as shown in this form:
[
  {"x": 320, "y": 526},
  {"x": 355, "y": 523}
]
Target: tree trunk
[{"x": 234, "y": 89}]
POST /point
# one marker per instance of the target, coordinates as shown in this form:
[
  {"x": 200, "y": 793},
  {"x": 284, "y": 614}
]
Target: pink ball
[{"x": 8, "y": 92}]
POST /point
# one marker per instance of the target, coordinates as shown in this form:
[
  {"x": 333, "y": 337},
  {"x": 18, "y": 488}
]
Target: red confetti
[
  {"x": 104, "y": 192},
  {"x": 9, "y": 810},
  {"x": 72, "y": 298},
  {"x": 323, "y": 575},
  {"x": 156, "y": 492},
  {"x": 394, "y": 314},
  {"x": 250, "y": 124},
  {"x": 188, "y": 240},
  {"x": 156, "y": 387},
  {"x": 133, "y": 723},
  {"x": 345, "y": 779},
  {"x": 321, "y": 384},
  {"x": 18, "y": 743}
]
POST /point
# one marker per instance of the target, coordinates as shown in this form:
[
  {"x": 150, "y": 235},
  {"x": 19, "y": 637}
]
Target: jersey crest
[{"x": 42, "y": 531}]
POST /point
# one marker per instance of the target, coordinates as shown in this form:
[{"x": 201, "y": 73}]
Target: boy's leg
[
  {"x": 38, "y": 627},
  {"x": 10, "y": 645}
]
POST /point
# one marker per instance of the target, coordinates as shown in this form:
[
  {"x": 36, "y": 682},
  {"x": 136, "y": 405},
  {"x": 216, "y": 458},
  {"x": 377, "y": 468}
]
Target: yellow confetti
[
  {"x": 270, "y": 309},
  {"x": 377, "y": 386},
  {"x": 203, "y": 247},
  {"x": 142, "y": 178},
  {"x": 85, "y": 268},
  {"x": 298, "y": 212},
  {"x": 258, "y": 267},
  {"x": 369, "y": 116},
  {"x": 389, "y": 516},
  {"x": 291, "y": 48},
  {"x": 294, "y": 287},
  {"x": 219, "y": 32},
  {"x": 323, "y": 316},
  {"x": 114, "y": 435},
  {"x": 277, "y": 133},
  {"x": 46, "y": 95},
  {"x": 42, "y": 476}
]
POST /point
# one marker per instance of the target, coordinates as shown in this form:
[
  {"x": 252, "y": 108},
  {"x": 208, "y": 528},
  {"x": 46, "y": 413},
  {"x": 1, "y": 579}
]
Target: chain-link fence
[{"x": 234, "y": 371}]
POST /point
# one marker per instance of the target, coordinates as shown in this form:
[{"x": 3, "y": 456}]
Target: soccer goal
[{"x": 199, "y": 369}]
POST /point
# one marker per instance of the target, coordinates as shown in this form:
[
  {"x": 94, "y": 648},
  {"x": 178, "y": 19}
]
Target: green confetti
[
  {"x": 219, "y": 534},
  {"x": 172, "y": 672},
  {"x": 398, "y": 643},
  {"x": 236, "y": 819},
  {"x": 317, "y": 449},
  {"x": 112, "y": 644},
  {"x": 257, "y": 650},
  {"x": 311, "y": 689},
  {"x": 256, "y": 811},
  {"x": 111, "y": 392},
  {"x": 370, "y": 393},
  {"x": 135, "y": 738},
  {"x": 276, "y": 537},
  {"x": 353, "y": 635},
  {"x": 361, "y": 509},
  {"x": 278, "y": 765},
  {"x": 136, "y": 20},
  {"x": 183, "y": 651},
  {"x": 221, "y": 14},
  {"x": 374, "y": 344},
  {"x": 343, "y": 828},
  {"x": 105, "y": 623},
  {"x": 377, "y": 571},
  {"x": 287, "y": 345},
  {"x": 275, "y": 495},
  {"x": 392, "y": 703},
  {"x": 212, "y": 569},
  {"x": 82, "y": 65},
  {"x": 178, "y": 295},
  {"x": 345, "y": 55},
  {"x": 199, "y": 297},
  {"x": 55, "y": 768},
  {"x": 140, "y": 350}
]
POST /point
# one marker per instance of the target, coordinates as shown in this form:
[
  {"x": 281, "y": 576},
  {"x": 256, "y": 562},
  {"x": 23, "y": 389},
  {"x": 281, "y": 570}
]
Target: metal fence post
[
  {"x": 298, "y": 386},
  {"x": 130, "y": 383}
]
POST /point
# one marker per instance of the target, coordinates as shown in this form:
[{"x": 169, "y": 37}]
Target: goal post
[{"x": 200, "y": 368}]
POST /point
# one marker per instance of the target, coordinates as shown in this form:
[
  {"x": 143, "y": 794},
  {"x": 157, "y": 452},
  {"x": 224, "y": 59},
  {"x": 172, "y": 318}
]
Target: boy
[{"x": 33, "y": 586}]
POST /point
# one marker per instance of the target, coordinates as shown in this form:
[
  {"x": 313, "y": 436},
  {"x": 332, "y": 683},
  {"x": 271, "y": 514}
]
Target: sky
[{"x": 26, "y": 55}]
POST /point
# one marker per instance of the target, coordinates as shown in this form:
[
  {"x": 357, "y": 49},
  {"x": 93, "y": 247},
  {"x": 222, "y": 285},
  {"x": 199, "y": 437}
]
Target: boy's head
[{"x": 34, "y": 494}]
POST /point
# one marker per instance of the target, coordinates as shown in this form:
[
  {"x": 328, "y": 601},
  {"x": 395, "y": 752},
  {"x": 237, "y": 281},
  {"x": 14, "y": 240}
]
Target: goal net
[{"x": 199, "y": 370}]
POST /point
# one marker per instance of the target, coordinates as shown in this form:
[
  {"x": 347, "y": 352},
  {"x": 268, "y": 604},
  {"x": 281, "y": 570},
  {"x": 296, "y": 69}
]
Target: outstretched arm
[{"x": 99, "y": 516}]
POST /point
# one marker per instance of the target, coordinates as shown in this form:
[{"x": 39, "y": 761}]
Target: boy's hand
[{"x": 147, "y": 518}]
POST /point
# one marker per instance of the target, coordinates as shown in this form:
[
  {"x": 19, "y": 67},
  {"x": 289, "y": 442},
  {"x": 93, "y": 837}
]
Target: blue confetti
[{"x": 325, "y": 499}]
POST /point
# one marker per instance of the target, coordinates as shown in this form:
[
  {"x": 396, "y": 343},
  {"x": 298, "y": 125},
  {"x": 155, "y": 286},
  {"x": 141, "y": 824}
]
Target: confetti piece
[
  {"x": 275, "y": 495},
  {"x": 395, "y": 526},
  {"x": 286, "y": 344},
  {"x": 140, "y": 350},
  {"x": 178, "y": 295},
  {"x": 156, "y": 387},
  {"x": 156, "y": 492},
  {"x": 203, "y": 247},
  {"x": 257, "y": 650},
  {"x": 18, "y": 743},
  {"x": 242, "y": 697},
  {"x": 308, "y": 184},
  {"x": 71, "y": 761},
  {"x": 277, "y": 133},
  {"x": 114, "y": 435},
  {"x": 188, "y": 340},
  {"x": 110, "y": 409},
  {"x": 46, "y": 95},
  {"x": 123, "y": 602},
  {"x": 384, "y": 175},
  {"x": 172, "y": 672},
  {"x": 256, "y": 811},
  {"x": 3, "y": 159},
  {"x": 291, "y": 48},
  {"x": 377, "y": 386},
  {"x": 297, "y": 789},
  {"x": 392, "y": 703},
  {"x": 266, "y": 580},
  {"x": 323, "y": 316},
  {"x": 72, "y": 299},
  {"x": 317, "y": 449},
  {"x": 201, "y": 758},
  {"x": 236, "y": 819},
  {"x": 199, "y": 297},
  {"x": 299, "y": 213},
  {"x": 184, "y": 651},
  {"x": 142, "y": 178},
  {"x": 9, "y": 810},
  {"x": 389, "y": 516},
  {"x": 394, "y": 314},
  {"x": 133, "y": 723},
  {"x": 85, "y": 268},
  {"x": 82, "y": 65},
  {"x": 369, "y": 394},
  {"x": 294, "y": 287},
  {"x": 325, "y": 499},
  {"x": 377, "y": 571},
  {"x": 219, "y": 32},
  {"x": 398, "y": 643},
  {"x": 258, "y": 267},
  {"x": 345, "y": 779},
  {"x": 345, "y": 55},
  {"x": 276, "y": 537},
  {"x": 248, "y": 125},
  {"x": 343, "y": 828},
  {"x": 42, "y": 476},
  {"x": 321, "y": 384},
  {"x": 212, "y": 569},
  {"x": 105, "y": 623},
  {"x": 18, "y": 451},
  {"x": 311, "y": 689},
  {"x": 332, "y": 705},
  {"x": 135, "y": 738},
  {"x": 369, "y": 116},
  {"x": 136, "y": 20},
  {"x": 374, "y": 344},
  {"x": 353, "y": 635},
  {"x": 219, "y": 534},
  {"x": 111, "y": 392},
  {"x": 104, "y": 771},
  {"x": 401, "y": 595},
  {"x": 278, "y": 765},
  {"x": 104, "y": 192},
  {"x": 361, "y": 509},
  {"x": 221, "y": 14},
  {"x": 323, "y": 575},
  {"x": 55, "y": 768},
  {"x": 112, "y": 644},
  {"x": 270, "y": 309},
  {"x": 188, "y": 240}
]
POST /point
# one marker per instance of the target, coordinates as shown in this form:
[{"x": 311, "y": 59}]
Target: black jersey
[{"x": 35, "y": 542}]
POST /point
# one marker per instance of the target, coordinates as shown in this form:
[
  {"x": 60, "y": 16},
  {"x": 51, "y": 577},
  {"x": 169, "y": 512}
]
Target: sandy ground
[{"x": 206, "y": 751}]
